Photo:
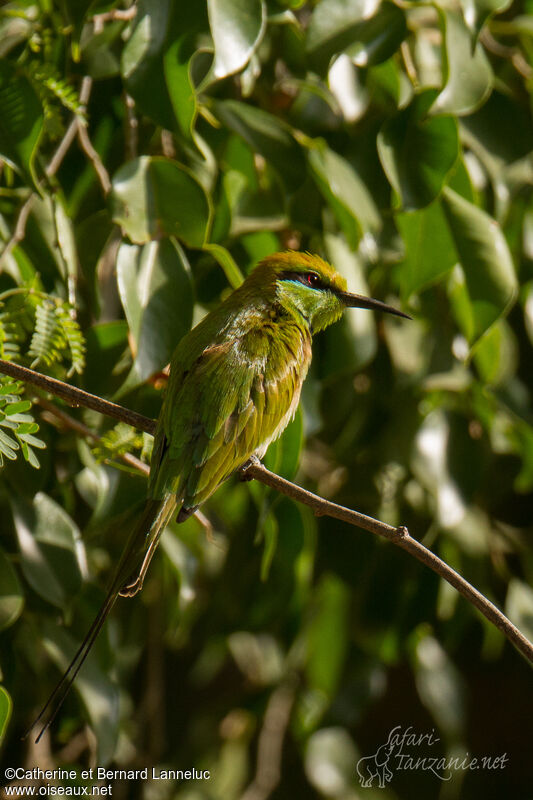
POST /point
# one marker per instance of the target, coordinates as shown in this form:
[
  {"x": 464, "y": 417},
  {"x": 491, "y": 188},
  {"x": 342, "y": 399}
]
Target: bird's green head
[{"x": 306, "y": 284}]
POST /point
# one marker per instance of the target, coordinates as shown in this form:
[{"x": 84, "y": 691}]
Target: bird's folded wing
[{"x": 230, "y": 402}]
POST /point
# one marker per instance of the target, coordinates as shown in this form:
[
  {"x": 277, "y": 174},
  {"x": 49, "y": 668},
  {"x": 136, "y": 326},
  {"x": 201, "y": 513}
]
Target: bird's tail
[{"x": 127, "y": 581}]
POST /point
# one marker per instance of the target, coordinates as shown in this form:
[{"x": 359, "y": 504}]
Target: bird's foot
[
  {"x": 185, "y": 513},
  {"x": 131, "y": 589},
  {"x": 242, "y": 472}
]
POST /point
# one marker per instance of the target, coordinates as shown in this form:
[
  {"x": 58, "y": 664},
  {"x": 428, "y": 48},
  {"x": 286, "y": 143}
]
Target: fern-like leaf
[
  {"x": 121, "y": 439},
  {"x": 56, "y": 334},
  {"x": 72, "y": 337},
  {"x": 17, "y": 426}
]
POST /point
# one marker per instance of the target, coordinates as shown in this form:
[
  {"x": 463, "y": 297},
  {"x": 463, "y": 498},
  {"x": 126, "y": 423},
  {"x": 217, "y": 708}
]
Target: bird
[{"x": 234, "y": 385}]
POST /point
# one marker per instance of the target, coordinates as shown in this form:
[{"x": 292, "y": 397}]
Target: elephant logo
[{"x": 376, "y": 766}]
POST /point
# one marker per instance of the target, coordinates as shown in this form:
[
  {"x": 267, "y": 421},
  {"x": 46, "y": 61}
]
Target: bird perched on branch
[{"x": 234, "y": 386}]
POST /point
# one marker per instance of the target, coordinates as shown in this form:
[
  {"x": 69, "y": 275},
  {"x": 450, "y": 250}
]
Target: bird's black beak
[{"x": 359, "y": 301}]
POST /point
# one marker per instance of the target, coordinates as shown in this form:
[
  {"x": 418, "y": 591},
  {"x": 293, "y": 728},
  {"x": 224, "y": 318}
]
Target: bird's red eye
[{"x": 313, "y": 279}]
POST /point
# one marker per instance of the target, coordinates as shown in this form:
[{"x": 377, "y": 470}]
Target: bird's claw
[{"x": 243, "y": 471}]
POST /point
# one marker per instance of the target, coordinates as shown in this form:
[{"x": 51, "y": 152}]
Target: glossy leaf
[
  {"x": 440, "y": 686},
  {"x": 227, "y": 262},
  {"x": 519, "y": 606},
  {"x": 327, "y": 634},
  {"x": 51, "y": 552},
  {"x": 417, "y": 152},
  {"x": 6, "y": 708},
  {"x": 477, "y": 12},
  {"x": 267, "y": 135},
  {"x": 154, "y": 197},
  {"x": 21, "y": 120},
  {"x": 142, "y": 61},
  {"x": 11, "y": 596},
  {"x": 181, "y": 89},
  {"x": 352, "y": 343},
  {"x": 237, "y": 27},
  {"x": 468, "y": 74},
  {"x": 485, "y": 258},
  {"x": 345, "y": 192},
  {"x": 283, "y": 456},
  {"x": 379, "y": 37},
  {"x": 156, "y": 292},
  {"x": 424, "y": 231},
  {"x": 334, "y": 25}
]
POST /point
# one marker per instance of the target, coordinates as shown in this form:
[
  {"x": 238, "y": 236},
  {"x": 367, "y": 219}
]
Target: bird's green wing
[{"x": 226, "y": 405}]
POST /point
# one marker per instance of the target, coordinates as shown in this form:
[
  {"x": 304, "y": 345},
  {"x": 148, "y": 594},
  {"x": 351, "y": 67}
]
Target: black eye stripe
[{"x": 311, "y": 279}]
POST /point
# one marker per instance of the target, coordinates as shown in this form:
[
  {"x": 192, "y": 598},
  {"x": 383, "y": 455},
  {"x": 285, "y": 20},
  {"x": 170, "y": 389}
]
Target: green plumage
[{"x": 234, "y": 386}]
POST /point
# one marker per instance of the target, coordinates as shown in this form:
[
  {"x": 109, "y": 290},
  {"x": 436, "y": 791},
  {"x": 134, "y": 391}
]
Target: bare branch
[
  {"x": 121, "y": 14},
  {"x": 132, "y": 127},
  {"x": 77, "y": 397},
  {"x": 51, "y": 169},
  {"x": 270, "y": 744},
  {"x": 75, "y": 425},
  {"x": 321, "y": 507}
]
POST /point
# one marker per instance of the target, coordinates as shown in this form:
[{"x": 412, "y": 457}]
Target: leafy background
[{"x": 151, "y": 155}]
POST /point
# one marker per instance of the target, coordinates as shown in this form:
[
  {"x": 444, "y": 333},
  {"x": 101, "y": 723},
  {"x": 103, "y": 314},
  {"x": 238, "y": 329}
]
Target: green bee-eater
[{"x": 234, "y": 386}]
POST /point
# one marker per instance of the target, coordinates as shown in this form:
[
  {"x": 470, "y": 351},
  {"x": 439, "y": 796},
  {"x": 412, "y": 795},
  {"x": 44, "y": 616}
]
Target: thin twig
[
  {"x": 270, "y": 744},
  {"x": 120, "y": 14},
  {"x": 98, "y": 165},
  {"x": 132, "y": 127},
  {"x": 503, "y": 51},
  {"x": 78, "y": 397},
  {"x": 321, "y": 507},
  {"x": 78, "y": 427},
  {"x": 68, "y": 422},
  {"x": 50, "y": 170}
]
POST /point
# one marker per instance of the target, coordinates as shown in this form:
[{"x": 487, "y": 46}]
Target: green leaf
[
  {"x": 156, "y": 291},
  {"x": 6, "y": 707},
  {"x": 351, "y": 344},
  {"x": 154, "y": 197},
  {"x": 267, "y": 135},
  {"x": 142, "y": 61},
  {"x": 440, "y": 686},
  {"x": 181, "y": 89},
  {"x": 418, "y": 152},
  {"x": 21, "y": 121},
  {"x": 468, "y": 74},
  {"x": 283, "y": 456},
  {"x": 227, "y": 262},
  {"x": 8, "y": 447},
  {"x": 237, "y": 27},
  {"x": 327, "y": 637},
  {"x": 334, "y": 25},
  {"x": 487, "y": 263},
  {"x": 379, "y": 37},
  {"x": 495, "y": 355},
  {"x": 52, "y": 556},
  {"x": 345, "y": 193},
  {"x": 519, "y": 606},
  {"x": 11, "y": 595},
  {"x": 424, "y": 232},
  {"x": 75, "y": 13},
  {"x": 477, "y": 12},
  {"x": 99, "y": 696}
]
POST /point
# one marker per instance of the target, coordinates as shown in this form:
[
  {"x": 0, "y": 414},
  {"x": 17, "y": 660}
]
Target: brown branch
[
  {"x": 270, "y": 745},
  {"x": 78, "y": 427},
  {"x": 50, "y": 171},
  {"x": 321, "y": 507},
  {"x": 120, "y": 14},
  {"x": 77, "y": 397},
  {"x": 66, "y": 421}
]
